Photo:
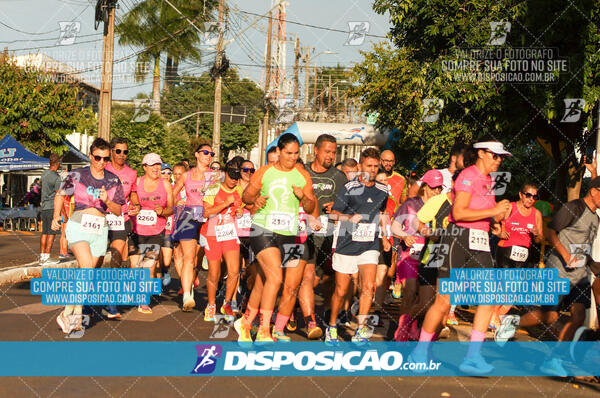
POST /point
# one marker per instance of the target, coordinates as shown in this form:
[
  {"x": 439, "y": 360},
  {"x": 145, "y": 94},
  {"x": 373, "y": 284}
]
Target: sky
[{"x": 31, "y": 26}]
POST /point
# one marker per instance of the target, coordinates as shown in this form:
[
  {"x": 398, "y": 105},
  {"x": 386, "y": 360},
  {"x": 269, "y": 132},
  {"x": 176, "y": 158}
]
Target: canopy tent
[
  {"x": 14, "y": 156},
  {"x": 74, "y": 158}
]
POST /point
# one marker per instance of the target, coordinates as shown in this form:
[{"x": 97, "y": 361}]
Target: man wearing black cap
[{"x": 571, "y": 234}]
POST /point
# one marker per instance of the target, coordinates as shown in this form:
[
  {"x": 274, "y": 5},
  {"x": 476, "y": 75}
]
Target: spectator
[{"x": 50, "y": 184}]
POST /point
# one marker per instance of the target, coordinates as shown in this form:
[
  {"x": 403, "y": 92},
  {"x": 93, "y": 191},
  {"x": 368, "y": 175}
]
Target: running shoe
[
  {"x": 210, "y": 312},
  {"x": 51, "y": 261},
  {"x": 397, "y": 291},
  {"x": 242, "y": 331},
  {"x": 402, "y": 331},
  {"x": 444, "y": 333},
  {"x": 189, "y": 304},
  {"x": 63, "y": 322},
  {"x": 506, "y": 330},
  {"x": 76, "y": 322},
  {"x": 145, "y": 309},
  {"x": 278, "y": 335},
  {"x": 331, "y": 336},
  {"x": 475, "y": 365},
  {"x": 313, "y": 332},
  {"x": 235, "y": 308},
  {"x": 361, "y": 335},
  {"x": 112, "y": 312},
  {"x": 166, "y": 280},
  {"x": 292, "y": 324},
  {"x": 553, "y": 367},
  {"x": 452, "y": 321},
  {"x": 581, "y": 334},
  {"x": 263, "y": 336},
  {"x": 227, "y": 310},
  {"x": 414, "y": 331}
]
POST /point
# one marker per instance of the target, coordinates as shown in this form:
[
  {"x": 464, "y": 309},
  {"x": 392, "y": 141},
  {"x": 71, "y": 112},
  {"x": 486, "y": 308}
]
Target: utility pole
[
  {"x": 296, "y": 71},
  {"x": 265, "y": 125},
  {"x": 216, "y": 144},
  {"x": 306, "y": 77},
  {"x": 107, "y": 13},
  {"x": 315, "y": 94}
]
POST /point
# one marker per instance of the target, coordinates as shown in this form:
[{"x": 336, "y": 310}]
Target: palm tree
[{"x": 158, "y": 28}]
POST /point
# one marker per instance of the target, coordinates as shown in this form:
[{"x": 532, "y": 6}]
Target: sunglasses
[
  {"x": 119, "y": 151},
  {"x": 166, "y": 172},
  {"x": 99, "y": 158},
  {"x": 495, "y": 156},
  {"x": 204, "y": 151},
  {"x": 215, "y": 168},
  {"x": 248, "y": 170},
  {"x": 530, "y": 195}
]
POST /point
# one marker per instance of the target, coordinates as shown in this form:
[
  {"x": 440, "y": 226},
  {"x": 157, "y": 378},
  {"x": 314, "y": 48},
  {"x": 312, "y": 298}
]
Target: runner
[
  {"x": 571, "y": 234},
  {"x": 222, "y": 206},
  {"x": 276, "y": 191},
  {"x": 395, "y": 182},
  {"x": 156, "y": 205},
  {"x": 360, "y": 207},
  {"x": 195, "y": 181},
  {"x": 326, "y": 182},
  {"x": 51, "y": 182},
  {"x": 272, "y": 155},
  {"x": 473, "y": 210},
  {"x": 350, "y": 168},
  {"x": 179, "y": 202},
  {"x": 522, "y": 223},
  {"x": 96, "y": 192},
  {"x": 166, "y": 250},
  {"x": 456, "y": 163},
  {"x": 406, "y": 226},
  {"x": 244, "y": 225}
]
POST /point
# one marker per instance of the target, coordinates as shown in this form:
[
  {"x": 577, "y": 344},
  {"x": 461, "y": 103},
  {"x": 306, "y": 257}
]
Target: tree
[
  {"x": 396, "y": 81},
  {"x": 171, "y": 143},
  {"x": 158, "y": 28},
  {"x": 196, "y": 93},
  {"x": 35, "y": 110}
]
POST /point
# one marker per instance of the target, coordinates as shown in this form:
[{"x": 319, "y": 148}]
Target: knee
[
  {"x": 341, "y": 291},
  {"x": 367, "y": 288}
]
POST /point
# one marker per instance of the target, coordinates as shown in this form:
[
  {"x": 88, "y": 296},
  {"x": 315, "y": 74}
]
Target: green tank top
[{"x": 280, "y": 213}]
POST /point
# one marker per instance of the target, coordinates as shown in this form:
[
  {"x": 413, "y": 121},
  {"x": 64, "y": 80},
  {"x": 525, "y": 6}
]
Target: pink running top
[
  {"x": 148, "y": 223},
  {"x": 128, "y": 177},
  {"x": 194, "y": 189},
  {"x": 518, "y": 227},
  {"x": 471, "y": 180},
  {"x": 81, "y": 184}
]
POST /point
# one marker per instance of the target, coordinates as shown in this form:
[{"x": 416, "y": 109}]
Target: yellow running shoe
[
  {"x": 243, "y": 331},
  {"x": 263, "y": 336}
]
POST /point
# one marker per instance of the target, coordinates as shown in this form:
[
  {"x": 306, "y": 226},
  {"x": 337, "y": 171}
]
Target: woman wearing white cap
[
  {"x": 473, "y": 210},
  {"x": 155, "y": 206}
]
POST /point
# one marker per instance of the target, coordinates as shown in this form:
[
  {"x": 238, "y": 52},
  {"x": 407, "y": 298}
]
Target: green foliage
[
  {"x": 197, "y": 94},
  {"x": 171, "y": 143},
  {"x": 36, "y": 111},
  {"x": 394, "y": 79}
]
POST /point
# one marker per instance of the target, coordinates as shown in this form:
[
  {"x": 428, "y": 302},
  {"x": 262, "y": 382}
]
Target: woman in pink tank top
[
  {"x": 522, "y": 223},
  {"x": 187, "y": 228},
  {"x": 156, "y": 201}
]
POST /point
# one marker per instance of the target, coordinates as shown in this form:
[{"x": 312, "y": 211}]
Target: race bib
[
  {"x": 225, "y": 232},
  {"x": 519, "y": 253},
  {"x": 245, "y": 221},
  {"x": 91, "y": 224},
  {"x": 364, "y": 233},
  {"x": 169, "y": 225},
  {"x": 115, "y": 223},
  {"x": 279, "y": 221},
  {"x": 416, "y": 249},
  {"x": 479, "y": 240},
  {"x": 147, "y": 217},
  {"x": 323, "y": 231},
  {"x": 301, "y": 227}
]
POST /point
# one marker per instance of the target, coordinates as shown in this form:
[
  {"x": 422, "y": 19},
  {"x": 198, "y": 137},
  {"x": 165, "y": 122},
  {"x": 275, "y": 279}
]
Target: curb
[{"x": 25, "y": 272}]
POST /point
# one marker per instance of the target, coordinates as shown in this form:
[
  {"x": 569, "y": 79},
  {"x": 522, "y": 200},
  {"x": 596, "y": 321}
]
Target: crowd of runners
[{"x": 355, "y": 235}]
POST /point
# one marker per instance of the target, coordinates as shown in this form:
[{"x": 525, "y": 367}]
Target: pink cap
[
  {"x": 433, "y": 178},
  {"x": 151, "y": 159}
]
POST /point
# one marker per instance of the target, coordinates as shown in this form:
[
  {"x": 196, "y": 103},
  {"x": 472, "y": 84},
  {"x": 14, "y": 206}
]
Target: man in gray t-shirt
[{"x": 50, "y": 184}]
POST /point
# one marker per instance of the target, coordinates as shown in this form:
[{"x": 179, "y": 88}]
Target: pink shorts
[{"x": 406, "y": 267}]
